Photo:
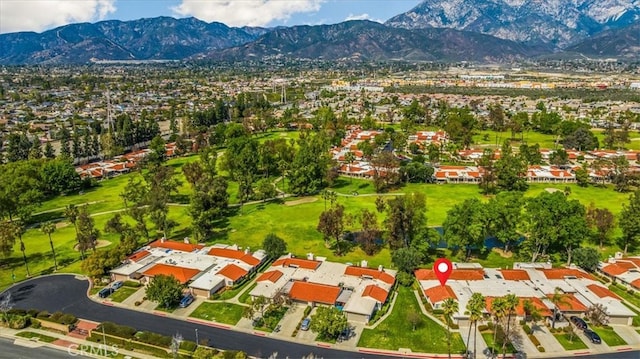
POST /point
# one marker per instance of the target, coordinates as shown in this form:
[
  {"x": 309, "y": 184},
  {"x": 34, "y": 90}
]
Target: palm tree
[
  {"x": 19, "y": 231},
  {"x": 511, "y": 303},
  {"x": 71, "y": 212},
  {"x": 557, "y": 299},
  {"x": 498, "y": 310},
  {"x": 48, "y": 228},
  {"x": 474, "y": 307},
  {"x": 349, "y": 157},
  {"x": 531, "y": 312},
  {"x": 449, "y": 306}
]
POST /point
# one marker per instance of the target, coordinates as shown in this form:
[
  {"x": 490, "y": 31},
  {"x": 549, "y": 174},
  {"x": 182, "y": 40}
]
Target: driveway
[{"x": 290, "y": 321}]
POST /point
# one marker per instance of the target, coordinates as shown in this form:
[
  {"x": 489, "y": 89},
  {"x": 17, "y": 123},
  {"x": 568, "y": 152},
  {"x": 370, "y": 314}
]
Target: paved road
[
  {"x": 68, "y": 294},
  {"x": 12, "y": 351}
]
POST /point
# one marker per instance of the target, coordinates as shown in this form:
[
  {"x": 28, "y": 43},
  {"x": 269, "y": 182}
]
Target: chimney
[
  {"x": 380, "y": 268},
  {"x": 310, "y": 256},
  {"x": 364, "y": 263},
  {"x": 186, "y": 240},
  {"x": 162, "y": 240},
  {"x": 246, "y": 250}
]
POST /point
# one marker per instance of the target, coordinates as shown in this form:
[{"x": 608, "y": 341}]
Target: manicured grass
[
  {"x": 245, "y": 297},
  {"x": 396, "y": 332},
  {"x": 219, "y": 312},
  {"x": 609, "y": 336},
  {"x": 95, "y": 289},
  {"x": 40, "y": 337},
  {"x": 123, "y": 293},
  {"x": 567, "y": 344},
  {"x": 488, "y": 338},
  {"x": 631, "y": 298},
  {"x": 496, "y": 139}
]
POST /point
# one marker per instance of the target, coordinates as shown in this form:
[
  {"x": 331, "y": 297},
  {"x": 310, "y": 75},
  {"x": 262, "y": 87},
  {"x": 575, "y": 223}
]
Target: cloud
[
  {"x": 245, "y": 12},
  {"x": 364, "y": 16},
  {"x": 39, "y": 15}
]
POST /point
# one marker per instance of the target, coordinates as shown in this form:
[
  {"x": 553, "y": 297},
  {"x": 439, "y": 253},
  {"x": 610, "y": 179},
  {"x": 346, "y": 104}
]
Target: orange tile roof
[
  {"x": 175, "y": 245},
  {"x": 571, "y": 303},
  {"x": 313, "y": 292},
  {"x": 439, "y": 293},
  {"x": 272, "y": 276},
  {"x": 636, "y": 283},
  {"x": 232, "y": 272},
  {"x": 302, "y": 263},
  {"x": 139, "y": 255},
  {"x": 374, "y": 273},
  {"x": 614, "y": 269},
  {"x": 456, "y": 274},
  {"x": 234, "y": 254},
  {"x": 182, "y": 274},
  {"x": 514, "y": 274},
  {"x": 560, "y": 273},
  {"x": 376, "y": 293},
  {"x": 602, "y": 291}
]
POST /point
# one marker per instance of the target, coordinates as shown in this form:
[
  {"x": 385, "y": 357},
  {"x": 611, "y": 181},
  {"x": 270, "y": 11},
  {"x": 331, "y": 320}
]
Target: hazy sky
[{"x": 40, "y": 15}]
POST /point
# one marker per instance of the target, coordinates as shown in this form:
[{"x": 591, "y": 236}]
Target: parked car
[
  {"x": 305, "y": 324},
  {"x": 186, "y": 300},
  {"x": 117, "y": 285},
  {"x": 578, "y": 322},
  {"x": 105, "y": 292},
  {"x": 593, "y": 336}
]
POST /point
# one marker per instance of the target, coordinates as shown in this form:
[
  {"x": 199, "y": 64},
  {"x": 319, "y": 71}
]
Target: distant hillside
[
  {"x": 366, "y": 40},
  {"x": 144, "y": 39},
  {"x": 613, "y": 43}
]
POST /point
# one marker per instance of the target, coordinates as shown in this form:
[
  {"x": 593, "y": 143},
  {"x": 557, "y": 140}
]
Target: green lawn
[
  {"x": 609, "y": 336},
  {"x": 497, "y": 138},
  {"x": 631, "y": 298},
  {"x": 245, "y": 297},
  {"x": 219, "y": 312},
  {"x": 40, "y": 337},
  {"x": 123, "y": 293},
  {"x": 567, "y": 344},
  {"x": 396, "y": 332},
  {"x": 488, "y": 338}
]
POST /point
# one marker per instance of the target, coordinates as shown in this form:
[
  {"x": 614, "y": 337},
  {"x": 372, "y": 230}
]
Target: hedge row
[
  {"x": 58, "y": 317},
  {"x": 527, "y": 329},
  {"x": 534, "y": 340},
  {"x": 132, "y": 284}
]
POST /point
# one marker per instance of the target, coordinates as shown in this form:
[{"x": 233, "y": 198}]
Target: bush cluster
[
  {"x": 57, "y": 317},
  {"x": 534, "y": 340},
  {"x": 527, "y": 329},
  {"x": 121, "y": 331},
  {"x": 153, "y": 339}
]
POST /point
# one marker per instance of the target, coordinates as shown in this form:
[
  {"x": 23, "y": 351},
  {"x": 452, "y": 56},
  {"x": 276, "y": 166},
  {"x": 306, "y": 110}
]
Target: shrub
[
  {"x": 35, "y": 323},
  {"x": 541, "y": 349},
  {"x": 33, "y": 312},
  {"x": 405, "y": 279},
  {"x": 526, "y": 329},
  {"x": 483, "y": 327},
  {"x": 18, "y": 321},
  {"x": 307, "y": 310},
  {"x": 438, "y": 312},
  {"x": 188, "y": 345},
  {"x": 153, "y": 339},
  {"x": 132, "y": 284},
  {"x": 137, "y": 303},
  {"x": 43, "y": 314},
  {"x": 534, "y": 340},
  {"x": 121, "y": 331}
]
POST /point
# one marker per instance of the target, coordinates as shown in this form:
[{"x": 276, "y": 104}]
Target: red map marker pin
[{"x": 442, "y": 267}]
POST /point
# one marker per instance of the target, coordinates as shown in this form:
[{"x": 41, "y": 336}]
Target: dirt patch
[
  {"x": 502, "y": 253},
  {"x": 301, "y": 201},
  {"x": 551, "y": 190},
  {"x": 62, "y": 225},
  {"x": 101, "y": 243}
]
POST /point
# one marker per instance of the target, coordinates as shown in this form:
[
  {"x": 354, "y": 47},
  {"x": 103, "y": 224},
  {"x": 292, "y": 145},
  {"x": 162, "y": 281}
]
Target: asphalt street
[
  {"x": 12, "y": 351},
  {"x": 67, "y": 294}
]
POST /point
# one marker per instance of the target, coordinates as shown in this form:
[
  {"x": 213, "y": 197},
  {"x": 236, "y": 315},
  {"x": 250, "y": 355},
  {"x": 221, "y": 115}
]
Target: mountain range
[{"x": 435, "y": 30}]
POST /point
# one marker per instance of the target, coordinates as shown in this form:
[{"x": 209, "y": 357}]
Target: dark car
[
  {"x": 105, "y": 292},
  {"x": 593, "y": 336},
  {"x": 186, "y": 300},
  {"x": 578, "y": 322}
]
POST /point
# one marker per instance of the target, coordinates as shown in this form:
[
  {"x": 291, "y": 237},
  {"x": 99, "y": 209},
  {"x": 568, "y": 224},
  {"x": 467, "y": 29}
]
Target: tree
[
  {"x": 510, "y": 170},
  {"x": 531, "y": 312},
  {"x": 586, "y": 258},
  {"x": 385, "y": 170},
  {"x": 60, "y": 177},
  {"x": 331, "y": 225},
  {"x": 450, "y": 307},
  {"x": 208, "y": 204},
  {"x": 581, "y": 139},
  {"x": 464, "y": 226},
  {"x": 19, "y": 229},
  {"x": 620, "y": 175},
  {"x": 274, "y": 246},
  {"x": 629, "y": 222},
  {"x": 405, "y": 218},
  {"x": 602, "y": 222},
  {"x": 370, "y": 231},
  {"x": 310, "y": 164},
  {"x": 158, "y": 154},
  {"x": 48, "y": 228},
  {"x": 559, "y": 157},
  {"x": 49, "y": 151},
  {"x": 504, "y": 217},
  {"x": 557, "y": 299},
  {"x": 597, "y": 314},
  {"x": 7, "y": 237},
  {"x": 87, "y": 235},
  {"x": 406, "y": 259},
  {"x": 475, "y": 306},
  {"x": 498, "y": 311},
  {"x": 511, "y": 303},
  {"x": 71, "y": 214},
  {"x": 165, "y": 290},
  {"x": 582, "y": 177},
  {"x": 329, "y": 322},
  {"x": 488, "y": 181},
  {"x": 414, "y": 318}
]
